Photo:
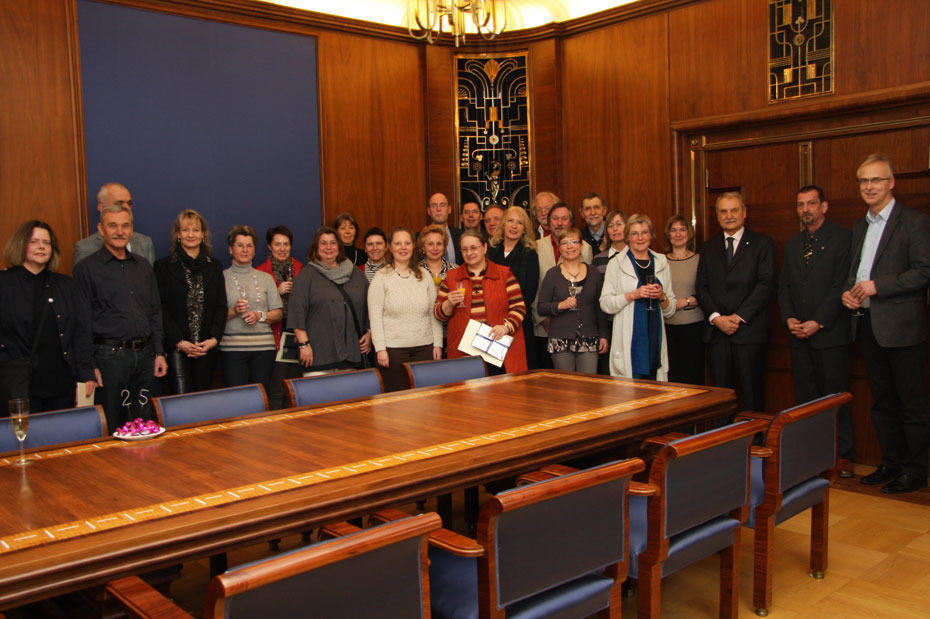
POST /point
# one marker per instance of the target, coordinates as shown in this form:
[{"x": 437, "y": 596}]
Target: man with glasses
[
  {"x": 471, "y": 217},
  {"x": 886, "y": 290},
  {"x": 114, "y": 194}
]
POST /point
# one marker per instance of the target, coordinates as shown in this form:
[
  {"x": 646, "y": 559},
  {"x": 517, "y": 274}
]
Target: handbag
[
  {"x": 366, "y": 360},
  {"x": 15, "y": 373}
]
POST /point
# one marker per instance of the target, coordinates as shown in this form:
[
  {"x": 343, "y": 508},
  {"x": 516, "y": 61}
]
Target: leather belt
[{"x": 131, "y": 344}]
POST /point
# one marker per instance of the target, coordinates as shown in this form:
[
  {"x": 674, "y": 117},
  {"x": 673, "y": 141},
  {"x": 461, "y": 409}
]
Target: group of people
[{"x": 595, "y": 298}]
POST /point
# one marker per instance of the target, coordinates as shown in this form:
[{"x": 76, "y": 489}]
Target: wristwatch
[{"x": 261, "y": 317}]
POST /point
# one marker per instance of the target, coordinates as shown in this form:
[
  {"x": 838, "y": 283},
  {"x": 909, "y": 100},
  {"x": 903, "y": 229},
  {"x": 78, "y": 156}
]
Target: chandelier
[{"x": 427, "y": 19}]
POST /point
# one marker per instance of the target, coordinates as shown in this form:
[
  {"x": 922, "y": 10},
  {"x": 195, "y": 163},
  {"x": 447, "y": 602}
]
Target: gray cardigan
[
  {"x": 317, "y": 306},
  {"x": 564, "y": 324}
]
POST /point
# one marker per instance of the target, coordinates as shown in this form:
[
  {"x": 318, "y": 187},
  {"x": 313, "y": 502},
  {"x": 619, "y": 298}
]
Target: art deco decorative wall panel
[
  {"x": 800, "y": 48},
  {"x": 493, "y": 130}
]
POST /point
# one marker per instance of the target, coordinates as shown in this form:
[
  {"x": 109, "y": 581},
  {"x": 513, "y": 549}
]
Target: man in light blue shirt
[{"x": 886, "y": 290}]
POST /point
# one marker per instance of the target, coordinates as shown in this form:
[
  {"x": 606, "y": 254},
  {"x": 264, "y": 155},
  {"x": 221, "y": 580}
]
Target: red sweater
[
  {"x": 265, "y": 267},
  {"x": 493, "y": 297}
]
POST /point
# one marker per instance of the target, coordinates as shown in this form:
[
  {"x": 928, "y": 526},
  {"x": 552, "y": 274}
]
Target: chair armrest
[
  {"x": 139, "y": 599},
  {"x": 638, "y": 488},
  {"x": 747, "y": 415},
  {"x": 662, "y": 441},
  {"x": 455, "y": 543},
  {"x": 757, "y": 451},
  {"x": 443, "y": 538},
  {"x": 338, "y": 529},
  {"x": 549, "y": 471}
]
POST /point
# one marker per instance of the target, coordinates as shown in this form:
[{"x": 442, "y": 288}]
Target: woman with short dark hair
[
  {"x": 254, "y": 305},
  {"x": 193, "y": 303},
  {"x": 45, "y": 334}
]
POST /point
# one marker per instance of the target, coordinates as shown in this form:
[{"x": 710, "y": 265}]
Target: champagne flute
[
  {"x": 650, "y": 280},
  {"x": 573, "y": 293},
  {"x": 19, "y": 421}
]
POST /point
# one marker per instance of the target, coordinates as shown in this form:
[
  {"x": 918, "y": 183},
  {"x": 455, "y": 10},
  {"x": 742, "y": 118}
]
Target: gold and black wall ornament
[
  {"x": 800, "y": 48},
  {"x": 492, "y": 123}
]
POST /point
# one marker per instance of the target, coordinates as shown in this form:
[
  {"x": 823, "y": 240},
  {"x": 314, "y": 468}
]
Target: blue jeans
[{"x": 127, "y": 383}]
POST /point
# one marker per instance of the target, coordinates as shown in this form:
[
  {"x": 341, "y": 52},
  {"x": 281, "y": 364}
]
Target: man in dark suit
[
  {"x": 886, "y": 289},
  {"x": 438, "y": 211},
  {"x": 813, "y": 274},
  {"x": 735, "y": 282},
  {"x": 114, "y": 194}
]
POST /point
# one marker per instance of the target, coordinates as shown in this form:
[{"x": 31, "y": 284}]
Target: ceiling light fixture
[{"x": 427, "y": 19}]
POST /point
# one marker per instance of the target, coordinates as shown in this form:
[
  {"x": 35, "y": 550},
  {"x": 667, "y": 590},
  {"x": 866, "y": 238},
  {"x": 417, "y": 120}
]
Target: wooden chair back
[
  {"x": 212, "y": 405},
  {"x": 323, "y": 388},
  {"x": 53, "y": 427},
  {"x": 432, "y": 373}
]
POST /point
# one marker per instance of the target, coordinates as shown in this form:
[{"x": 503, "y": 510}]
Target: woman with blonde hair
[
  {"x": 513, "y": 246},
  {"x": 45, "y": 334},
  {"x": 193, "y": 303},
  {"x": 638, "y": 294},
  {"x": 431, "y": 248},
  {"x": 400, "y": 310}
]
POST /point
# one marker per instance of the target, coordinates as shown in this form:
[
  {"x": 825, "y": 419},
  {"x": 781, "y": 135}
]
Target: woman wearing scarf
[
  {"x": 328, "y": 309},
  {"x": 638, "y": 293},
  {"x": 283, "y": 269},
  {"x": 193, "y": 302}
]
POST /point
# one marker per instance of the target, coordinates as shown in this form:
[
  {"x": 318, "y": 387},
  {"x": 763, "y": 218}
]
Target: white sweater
[{"x": 401, "y": 310}]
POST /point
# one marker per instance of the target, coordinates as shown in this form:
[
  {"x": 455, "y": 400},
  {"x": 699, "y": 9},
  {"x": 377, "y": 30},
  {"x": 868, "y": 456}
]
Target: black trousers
[
  {"x": 819, "y": 372},
  {"x": 900, "y": 410},
  {"x": 739, "y": 363},
  {"x": 685, "y": 353}
]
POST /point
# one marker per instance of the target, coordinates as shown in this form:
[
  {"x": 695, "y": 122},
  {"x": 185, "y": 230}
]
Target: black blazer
[
  {"x": 813, "y": 292},
  {"x": 745, "y": 287},
  {"x": 901, "y": 272},
  {"x": 172, "y": 288}
]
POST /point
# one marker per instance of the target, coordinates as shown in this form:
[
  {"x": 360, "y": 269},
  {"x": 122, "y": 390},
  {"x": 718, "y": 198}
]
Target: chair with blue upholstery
[
  {"x": 700, "y": 500},
  {"x": 793, "y": 476},
  {"x": 432, "y": 373},
  {"x": 203, "y": 406},
  {"x": 323, "y": 388},
  {"x": 380, "y": 572},
  {"x": 53, "y": 427},
  {"x": 556, "y": 548}
]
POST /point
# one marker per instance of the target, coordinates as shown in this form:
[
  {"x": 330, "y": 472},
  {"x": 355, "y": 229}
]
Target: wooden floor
[{"x": 879, "y": 567}]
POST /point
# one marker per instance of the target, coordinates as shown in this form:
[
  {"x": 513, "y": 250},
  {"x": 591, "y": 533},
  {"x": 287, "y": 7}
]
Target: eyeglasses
[
  {"x": 875, "y": 180},
  {"x": 569, "y": 242}
]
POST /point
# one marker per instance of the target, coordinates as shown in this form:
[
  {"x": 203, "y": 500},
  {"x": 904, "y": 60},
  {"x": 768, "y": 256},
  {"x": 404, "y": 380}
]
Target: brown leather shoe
[{"x": 844, "y": 468}]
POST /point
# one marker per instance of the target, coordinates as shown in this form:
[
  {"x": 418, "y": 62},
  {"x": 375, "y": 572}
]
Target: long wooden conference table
[{"x": 84, "y": 514}]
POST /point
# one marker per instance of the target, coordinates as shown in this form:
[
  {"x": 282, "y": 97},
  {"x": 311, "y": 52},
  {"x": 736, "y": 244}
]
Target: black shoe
[
  {"x": 905, "y": 482},
  {"x": 882, "y": 475}
]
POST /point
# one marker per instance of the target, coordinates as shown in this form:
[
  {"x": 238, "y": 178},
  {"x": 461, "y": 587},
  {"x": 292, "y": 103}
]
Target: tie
[
  {"x": 808, "y": 249},
  {"x": 729, "y": 249}
]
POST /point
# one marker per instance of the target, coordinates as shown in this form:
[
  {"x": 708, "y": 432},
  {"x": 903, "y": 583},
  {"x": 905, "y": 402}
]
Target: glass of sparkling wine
[{"x": 19, "y": 421}]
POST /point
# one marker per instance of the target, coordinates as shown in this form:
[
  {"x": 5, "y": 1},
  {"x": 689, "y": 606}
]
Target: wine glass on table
[
  {"x": 19, "y": 421},
  {"x": 650, "y": 280}
]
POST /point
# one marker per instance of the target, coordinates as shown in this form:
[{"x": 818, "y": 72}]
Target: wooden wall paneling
[
  {"x": 615, "y": 124},
  {"x": 545, "y": 75},
  {"x": 880, "y": 44},
  {"x": 373, "y": 133},
  {"x": 717, "y": 58},
  {"x": 442, "y": 149},
  {"x": 39, "y": 122}
]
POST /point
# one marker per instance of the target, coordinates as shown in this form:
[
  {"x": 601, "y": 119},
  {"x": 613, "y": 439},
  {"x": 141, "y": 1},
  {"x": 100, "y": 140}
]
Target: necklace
[
  {"x": 571, "y": 276},
  {"x": 640, "y": 264},
  {"x": 242, "y": 293}
]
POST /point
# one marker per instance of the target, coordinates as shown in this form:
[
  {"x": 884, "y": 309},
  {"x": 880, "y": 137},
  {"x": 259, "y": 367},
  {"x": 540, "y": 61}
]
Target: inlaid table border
[{"x": 46, "y": 535}]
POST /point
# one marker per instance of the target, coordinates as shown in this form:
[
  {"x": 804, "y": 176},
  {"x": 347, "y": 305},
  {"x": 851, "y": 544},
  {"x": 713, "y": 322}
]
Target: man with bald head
[
  {"x": 111, "y": 194},
  {"x": 438, "y": 211}
]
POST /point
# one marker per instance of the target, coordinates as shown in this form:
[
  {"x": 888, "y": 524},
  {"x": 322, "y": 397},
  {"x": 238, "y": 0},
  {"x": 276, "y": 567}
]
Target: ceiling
[{"x": 521, "y": 13}]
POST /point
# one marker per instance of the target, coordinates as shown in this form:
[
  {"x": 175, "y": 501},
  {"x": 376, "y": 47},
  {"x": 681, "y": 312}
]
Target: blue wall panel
[{"x": 190, "y": 113}]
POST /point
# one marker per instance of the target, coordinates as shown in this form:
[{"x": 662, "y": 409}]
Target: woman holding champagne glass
[
  {"x": 569, "y": 294},
  {"x": 400, "y": 309},
  {"x": 45, "y": 336},
  {"x": 638, "y": 294}
]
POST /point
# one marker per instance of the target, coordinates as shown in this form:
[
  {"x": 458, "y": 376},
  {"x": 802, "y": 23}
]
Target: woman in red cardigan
[{"x": 484, "y": 291}]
